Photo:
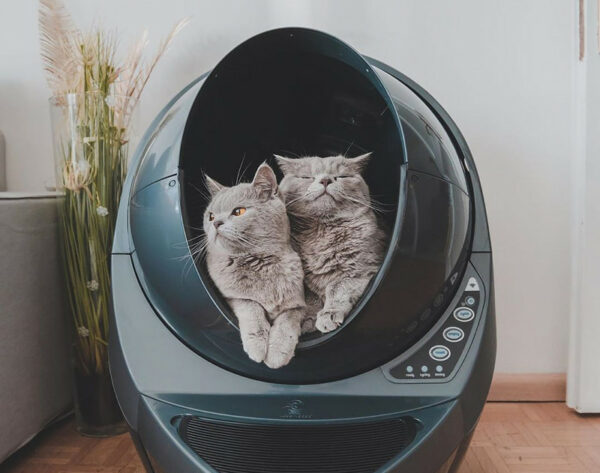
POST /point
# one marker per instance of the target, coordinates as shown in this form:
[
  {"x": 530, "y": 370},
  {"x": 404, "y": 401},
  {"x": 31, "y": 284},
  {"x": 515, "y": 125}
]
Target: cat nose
[
  {"x": 325, "y": 181},
  {"x": 218, "y": 223}
]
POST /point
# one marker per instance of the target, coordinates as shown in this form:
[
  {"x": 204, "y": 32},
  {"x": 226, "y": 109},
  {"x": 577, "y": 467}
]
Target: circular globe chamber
[{"x": 304, "y": 93}]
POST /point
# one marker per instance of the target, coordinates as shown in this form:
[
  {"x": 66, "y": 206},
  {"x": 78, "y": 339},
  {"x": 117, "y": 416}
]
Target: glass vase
[{"x": 91, "y": 135}]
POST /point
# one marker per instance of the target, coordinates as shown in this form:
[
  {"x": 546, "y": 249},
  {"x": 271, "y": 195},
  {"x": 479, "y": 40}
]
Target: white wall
[{"x": 504, "y": 71}]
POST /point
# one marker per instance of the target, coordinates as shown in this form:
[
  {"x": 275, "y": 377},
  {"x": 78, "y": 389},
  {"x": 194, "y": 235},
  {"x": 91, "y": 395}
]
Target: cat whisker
[
  {"x": 238, "y": 176},
  {"x": 188, "y": 263},
  {"x": 369, "y": 204},
  {"x": 288, "y": 152},
  {"x": 381, "y": 204},
  {"x": 191, "y": 227},
  {"x": 197, "y": 251},
  {"x": 198, "y": 246},
  {"x": 237, "y": 236},
  {"x": 293, "y": 201},
  {"x": 189, "y": 242},
  {"x": 242, "y": 172},
  {"x": 348, "y": 149},
  {"x": 196, "y": 238},
  {"x": 204, "y": 194}
]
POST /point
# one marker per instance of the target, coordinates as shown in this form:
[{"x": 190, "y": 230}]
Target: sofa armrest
[{"x": 35, "y": 382}]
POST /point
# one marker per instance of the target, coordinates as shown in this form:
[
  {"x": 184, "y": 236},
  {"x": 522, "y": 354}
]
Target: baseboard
[{"x": 507, "y": 387}]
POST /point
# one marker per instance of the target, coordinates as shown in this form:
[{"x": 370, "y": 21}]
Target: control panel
[{"x": 436, "y": 359}]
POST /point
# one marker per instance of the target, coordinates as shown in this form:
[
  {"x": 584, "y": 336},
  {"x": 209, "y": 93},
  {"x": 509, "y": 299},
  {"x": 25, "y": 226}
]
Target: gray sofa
[{"x": 35, "y": 384}]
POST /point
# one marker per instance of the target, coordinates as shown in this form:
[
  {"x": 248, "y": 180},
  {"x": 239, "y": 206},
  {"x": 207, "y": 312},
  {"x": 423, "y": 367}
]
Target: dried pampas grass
[
  {"x": 83, "y": 62},
  {"x": 95, "y": 92},
  {"x": 59, "y": 40}
]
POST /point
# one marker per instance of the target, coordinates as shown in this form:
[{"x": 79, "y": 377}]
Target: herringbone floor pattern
[{"x": 511, "y": 438}]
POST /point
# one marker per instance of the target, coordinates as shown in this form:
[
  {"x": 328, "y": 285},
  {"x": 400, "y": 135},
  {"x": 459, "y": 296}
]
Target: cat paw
[
  {"x": 282, "y": 345},
  {"x": 328, "y": 320},
  {"x": 277, "y": 358},
  {"x": 256, "y": 345},
  {"x": 256, "y": 349}
]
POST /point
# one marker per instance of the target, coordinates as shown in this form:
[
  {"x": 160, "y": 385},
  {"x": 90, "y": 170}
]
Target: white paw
[
  {"x": 328, "y": 320},
  {"x": 256, "y": 344},
  {"x": 282, "y": 345},
  {"x": 256, "y": 349},
  {"x": 277, "y": 358}
]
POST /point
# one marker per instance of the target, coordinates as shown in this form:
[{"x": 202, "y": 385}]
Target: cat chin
[
  {"x": 322, "y": 203},
  {"x": 329, "y": 208},
  {"x": 329, "y": 213},
  {"x": 326, "y": 199},
  {"x": 222, "y": 246}
]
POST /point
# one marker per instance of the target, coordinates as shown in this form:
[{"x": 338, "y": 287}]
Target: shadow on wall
[
  {"x": 2, "y": 162},
  {"x": 25, "y": 123}
]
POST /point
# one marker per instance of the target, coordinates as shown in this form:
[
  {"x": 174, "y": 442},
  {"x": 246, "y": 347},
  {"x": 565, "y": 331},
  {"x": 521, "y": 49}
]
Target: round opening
[{"x": 291, "y": 101}]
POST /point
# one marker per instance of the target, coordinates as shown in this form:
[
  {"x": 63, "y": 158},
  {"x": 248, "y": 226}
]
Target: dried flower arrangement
[{"x": 94, "y": 96}]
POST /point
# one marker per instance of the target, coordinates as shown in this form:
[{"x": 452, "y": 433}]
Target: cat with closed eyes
[
  {"x": 251, "y": 261},
  {"x": 335, "y": 230}
]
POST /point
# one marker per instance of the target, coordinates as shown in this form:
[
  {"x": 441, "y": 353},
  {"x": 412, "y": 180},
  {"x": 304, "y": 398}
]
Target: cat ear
[
  {"x": 287, "y": 165},
  {"x": 359, "y": 164},
  {"x": 265, "y": 181},
  {"x": 212, "y": 185}
]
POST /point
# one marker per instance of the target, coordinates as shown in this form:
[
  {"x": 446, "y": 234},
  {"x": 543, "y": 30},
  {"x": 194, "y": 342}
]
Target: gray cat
[
  {"x": 335, "y": 231},
  {"x": 250, "y": 259}
]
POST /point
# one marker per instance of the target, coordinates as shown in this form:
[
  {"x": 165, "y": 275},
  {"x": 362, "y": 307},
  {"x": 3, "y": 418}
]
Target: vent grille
[{"x": 231, "y": 447}]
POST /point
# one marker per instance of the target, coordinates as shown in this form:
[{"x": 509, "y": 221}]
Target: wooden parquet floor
[{"x": 511, "y": 438}]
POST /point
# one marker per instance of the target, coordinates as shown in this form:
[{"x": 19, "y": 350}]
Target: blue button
[
  {"x": 453, "y": 334},
  {"x": 439, "y": 353},
  {"x": 470, "y": 300},
  {"x": 464, "y": 314},
  {"x": 424, "y": 369},
  {"x": 409, "y": 369}
]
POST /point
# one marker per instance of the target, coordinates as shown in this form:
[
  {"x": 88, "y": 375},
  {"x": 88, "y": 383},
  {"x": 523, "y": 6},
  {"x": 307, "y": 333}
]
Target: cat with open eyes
[
  {"x": 251, "y": 261},
  {"x": 335, "y": 231}
]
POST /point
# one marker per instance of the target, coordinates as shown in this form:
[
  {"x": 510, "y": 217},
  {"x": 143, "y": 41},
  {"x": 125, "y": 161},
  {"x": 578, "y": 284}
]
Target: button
[
  {"x": 439, "y": 368},
  {"x": 464, "y": 314},
  {"x": 470, "y": 300},
  {"x": 424, "y": 369},
  {"x": 453, "y": 334},
  {"x": 439, "y": 353},
  {"x": 409, "y": 369},
  {"x": 472, "y": 285}
]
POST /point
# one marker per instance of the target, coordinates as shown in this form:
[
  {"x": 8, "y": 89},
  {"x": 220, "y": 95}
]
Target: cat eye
[
  {"x": 305, "y": 177},
  {"x": 211, "y": 216},
  {"x": 342, "y": 177},
  {"x": 239, "y": 211}
]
